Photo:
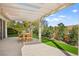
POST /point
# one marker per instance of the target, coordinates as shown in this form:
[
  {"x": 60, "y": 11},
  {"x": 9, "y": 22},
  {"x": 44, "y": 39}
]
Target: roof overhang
[{"x": 30, "y": 11}]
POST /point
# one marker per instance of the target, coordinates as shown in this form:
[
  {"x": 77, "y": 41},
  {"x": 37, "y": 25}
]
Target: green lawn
[
  {"x": 35, "y": 36},
  {"x": 12, "y": 35},
  {"x": 61, "y": 45}
]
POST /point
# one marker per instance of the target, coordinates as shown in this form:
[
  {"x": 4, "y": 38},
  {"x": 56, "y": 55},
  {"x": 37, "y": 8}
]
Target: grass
[
  {"x": 35, "y": 36},
  {"x": 61, "y": 45},
  {"x": 12, "y": 35}
]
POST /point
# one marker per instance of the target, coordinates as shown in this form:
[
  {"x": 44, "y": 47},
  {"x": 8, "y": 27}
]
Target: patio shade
[{"x": 29, "y": 11}]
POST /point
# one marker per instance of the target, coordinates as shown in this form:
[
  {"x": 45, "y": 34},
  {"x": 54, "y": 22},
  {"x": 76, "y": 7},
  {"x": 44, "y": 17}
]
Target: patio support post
[
  {"x": 5, "y": 29},
  {"x": 2, "y": 29},
  {"x": 31, "y": 29},
  {"x": 40, "y": 29}
]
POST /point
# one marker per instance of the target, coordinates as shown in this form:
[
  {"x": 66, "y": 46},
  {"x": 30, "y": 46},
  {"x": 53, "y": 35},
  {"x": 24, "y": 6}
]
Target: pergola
[{"x": 29, "y": 11}]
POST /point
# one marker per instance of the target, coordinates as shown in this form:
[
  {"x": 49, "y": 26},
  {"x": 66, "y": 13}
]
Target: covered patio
[{"x": 30, "y": 12}]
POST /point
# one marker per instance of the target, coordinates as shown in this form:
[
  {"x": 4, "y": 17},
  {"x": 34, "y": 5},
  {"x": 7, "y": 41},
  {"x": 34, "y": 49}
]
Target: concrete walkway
[
  {"x": 40, "y": 49},
  {"x": 10, "y": 47}
]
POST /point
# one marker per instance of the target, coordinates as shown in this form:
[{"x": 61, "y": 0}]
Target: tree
[
  {"x": 73, "y": 34},
  {"x": 44, "y": 23},
  {"x": 61, "y": 29},
  {"x": 35, "y": 25},
  {"x": 18, "y": 26},
  {"x": 67, "y": 38},
  {"x": 11, "y": 24},
  {"x": 27, "y": 26},
  {"x": 51, "y": 31},
  {"x": 46, "y": 30},
  {"x": 55, "y": 32}
]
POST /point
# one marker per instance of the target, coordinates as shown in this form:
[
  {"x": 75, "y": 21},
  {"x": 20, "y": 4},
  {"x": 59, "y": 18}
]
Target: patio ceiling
[{"x": 29, "y": 11}]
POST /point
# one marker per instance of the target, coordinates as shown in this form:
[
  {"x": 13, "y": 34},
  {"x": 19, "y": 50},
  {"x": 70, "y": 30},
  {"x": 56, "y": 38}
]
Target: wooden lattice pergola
[{"x": 28, "y": 11}]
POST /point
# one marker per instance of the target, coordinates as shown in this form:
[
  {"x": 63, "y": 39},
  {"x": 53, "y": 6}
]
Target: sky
[{"x": 67, "y": 16}]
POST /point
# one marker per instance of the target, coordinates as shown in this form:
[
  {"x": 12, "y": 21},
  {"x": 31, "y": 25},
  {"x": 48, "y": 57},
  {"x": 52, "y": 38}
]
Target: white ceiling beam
[{"x": 31, "y": 11}]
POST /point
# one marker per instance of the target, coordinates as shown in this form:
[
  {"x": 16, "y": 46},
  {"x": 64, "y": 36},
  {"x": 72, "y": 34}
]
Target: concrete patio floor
[
  {"x": 10, "y": 47},
  {"x": 13, "y": 47},
  {"x": 41, "y": 49}
]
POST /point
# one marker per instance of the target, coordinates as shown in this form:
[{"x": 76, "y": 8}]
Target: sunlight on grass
[{"x": 64, "y": 46}]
